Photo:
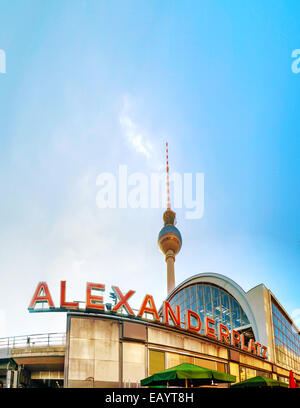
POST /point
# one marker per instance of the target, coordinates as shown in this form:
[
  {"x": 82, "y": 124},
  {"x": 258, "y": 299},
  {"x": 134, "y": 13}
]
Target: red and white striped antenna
[{"x": 168, "y": 178}]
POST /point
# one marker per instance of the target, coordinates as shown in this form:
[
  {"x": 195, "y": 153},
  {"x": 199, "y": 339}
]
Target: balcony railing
[{"x": 33, "y": 340}]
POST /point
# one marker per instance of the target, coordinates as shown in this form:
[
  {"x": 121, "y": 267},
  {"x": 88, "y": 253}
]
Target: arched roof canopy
[{"x": 229, "y": 286}]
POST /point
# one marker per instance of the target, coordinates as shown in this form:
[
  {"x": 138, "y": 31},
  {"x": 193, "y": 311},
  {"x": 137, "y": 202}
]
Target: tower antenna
[{"x": 168, "y": 177}]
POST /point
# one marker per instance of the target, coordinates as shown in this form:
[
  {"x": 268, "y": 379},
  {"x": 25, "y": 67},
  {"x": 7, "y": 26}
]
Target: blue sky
[{"x": 213, "y": 78}]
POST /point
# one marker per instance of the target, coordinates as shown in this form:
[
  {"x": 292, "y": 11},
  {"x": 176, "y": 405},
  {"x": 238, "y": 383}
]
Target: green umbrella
[
  {"x": 181, "y": 374},
  {"x": 259, "y": 381}
]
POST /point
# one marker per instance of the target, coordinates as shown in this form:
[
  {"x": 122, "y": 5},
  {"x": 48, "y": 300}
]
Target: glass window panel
[
  {"x": 172, "y": 359},
  {"x": 193, "y": 294},
  {"x": 242, "y": 373},
  {"x": 225, "y": 309},
  {"x": 245, "y": 320},
  {"x": 216, "y": 305},
  {"x": 187, "y": 298},
  {"x": 205, "y": 363},
  {"x": 250, "y": 373},
  {"x": 235, "y": 370},
  {"x": 207, "y": 300}
]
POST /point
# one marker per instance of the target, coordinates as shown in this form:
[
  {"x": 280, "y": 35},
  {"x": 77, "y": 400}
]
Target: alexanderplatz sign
[{"x": 193, "y": 324}]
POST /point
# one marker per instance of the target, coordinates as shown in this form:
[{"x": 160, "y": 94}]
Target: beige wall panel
[
  {"x": 134, "y": 366},
  {"x": 80, "y": 369},
  {"x": 95, "y": 384},
  {"x": 82, "y": 348},
  {"x": 106, "y": 329},
  {"x": 282, "y": 371},
  {"x": 202, "y": 362},
  {"x": 173, "y": 359},
  {"x": 162, "y": 337},
  {"x": 186, "y": 343},
  {"x": 134, "y": 353},
  {"x": 213, "y": 350},
  {"x": 191, "y": 344},
  {"x": 82, "y": 328},
  {"x": 106, "y": 350},
  {"x": 106, "y": 370},
  {"x": 133, "y": 372},
  {"x": 222, "y": 352},
  {"x": 80, "y": 384},
  {"x": 255, "y": 362},
  {"x": 45, "y": 375}
]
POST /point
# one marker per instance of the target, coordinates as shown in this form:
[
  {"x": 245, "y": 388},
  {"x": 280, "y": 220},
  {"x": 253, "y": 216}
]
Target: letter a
[{"x": 41, "y": 295}]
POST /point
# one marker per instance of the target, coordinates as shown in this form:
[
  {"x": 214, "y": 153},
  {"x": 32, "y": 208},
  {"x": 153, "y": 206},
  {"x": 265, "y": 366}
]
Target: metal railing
[{"x": 33, "y": 340}]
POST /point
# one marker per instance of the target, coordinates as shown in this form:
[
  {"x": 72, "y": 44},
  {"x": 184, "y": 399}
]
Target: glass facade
[
  {"x": 287, "y": 340},
  {"x": 211, "y": 301}
]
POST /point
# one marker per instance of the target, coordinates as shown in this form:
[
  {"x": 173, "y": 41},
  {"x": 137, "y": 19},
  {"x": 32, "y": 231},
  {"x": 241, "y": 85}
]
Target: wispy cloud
[{"x": 134, "y": 135}]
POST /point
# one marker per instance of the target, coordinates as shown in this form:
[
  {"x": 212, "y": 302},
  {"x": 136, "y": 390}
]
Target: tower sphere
[{"x": 169, "y": 238}]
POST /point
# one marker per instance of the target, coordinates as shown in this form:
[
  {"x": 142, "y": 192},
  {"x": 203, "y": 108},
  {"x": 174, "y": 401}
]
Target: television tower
[{"x": 169, "y": 238}]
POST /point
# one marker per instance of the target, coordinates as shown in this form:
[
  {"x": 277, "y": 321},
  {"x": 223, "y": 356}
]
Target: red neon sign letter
[
  {"x": 258, "y": 346},
  {"x": 244, "y": 347},
  {"x": 63, "y": 303},
  {"x": 152, "y": 309},
  {"x": 210, "y": 331},
  {"x": 252, "y": 346},
  {"x": 42, "y": 286},
  {"x": 224, "y": 333},
  {"x": 190, "y": 313},
  {"x": 168, "y": 310},
  {"x": 123, "y": 300},
  {"x": 264, "y": 355},
  {"x": 235, "y": 338},
  {"x": 92, "y": 301}
]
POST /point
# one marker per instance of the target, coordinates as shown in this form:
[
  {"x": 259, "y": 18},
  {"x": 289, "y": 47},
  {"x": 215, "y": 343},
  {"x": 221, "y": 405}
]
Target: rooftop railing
[{"x": 33, "y": 340}]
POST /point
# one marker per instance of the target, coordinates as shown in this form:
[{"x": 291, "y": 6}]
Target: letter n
[{"x": 169, "y": 311}]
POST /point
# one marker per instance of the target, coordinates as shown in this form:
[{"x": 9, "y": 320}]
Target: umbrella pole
[
  {"x": 186, "y": 383},
  {"x": 167, "y": 384}
]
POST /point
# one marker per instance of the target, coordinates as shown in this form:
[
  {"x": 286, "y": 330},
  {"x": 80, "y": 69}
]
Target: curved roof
[{"x": 227, "y": 284}]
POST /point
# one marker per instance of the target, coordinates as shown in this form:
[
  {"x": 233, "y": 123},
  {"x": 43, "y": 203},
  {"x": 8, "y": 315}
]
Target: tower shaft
[{"x": 170, "y": 260}]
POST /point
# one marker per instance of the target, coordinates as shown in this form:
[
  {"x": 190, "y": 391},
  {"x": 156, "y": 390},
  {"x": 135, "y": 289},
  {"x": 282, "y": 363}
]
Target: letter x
[{"x": 123, "y": 300}]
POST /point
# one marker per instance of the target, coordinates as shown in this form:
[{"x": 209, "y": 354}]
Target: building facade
[
  {"x": 118, "y": 351},
  {"x": 207, "y": 320}
]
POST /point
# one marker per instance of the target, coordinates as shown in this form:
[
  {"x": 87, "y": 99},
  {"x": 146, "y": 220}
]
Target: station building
[{"x": 207, "y": 320}]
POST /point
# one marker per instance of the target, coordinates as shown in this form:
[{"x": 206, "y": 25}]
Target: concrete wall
[
  {"x": 260, "y": 302},
  {"x": 93, "y": 353}
]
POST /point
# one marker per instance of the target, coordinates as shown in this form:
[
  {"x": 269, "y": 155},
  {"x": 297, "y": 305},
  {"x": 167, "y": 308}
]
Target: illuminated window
[
  {"x": 243, "y": 373},
  {"x": 235, "y": 370},
  {"x": 250, "y": 373}
]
